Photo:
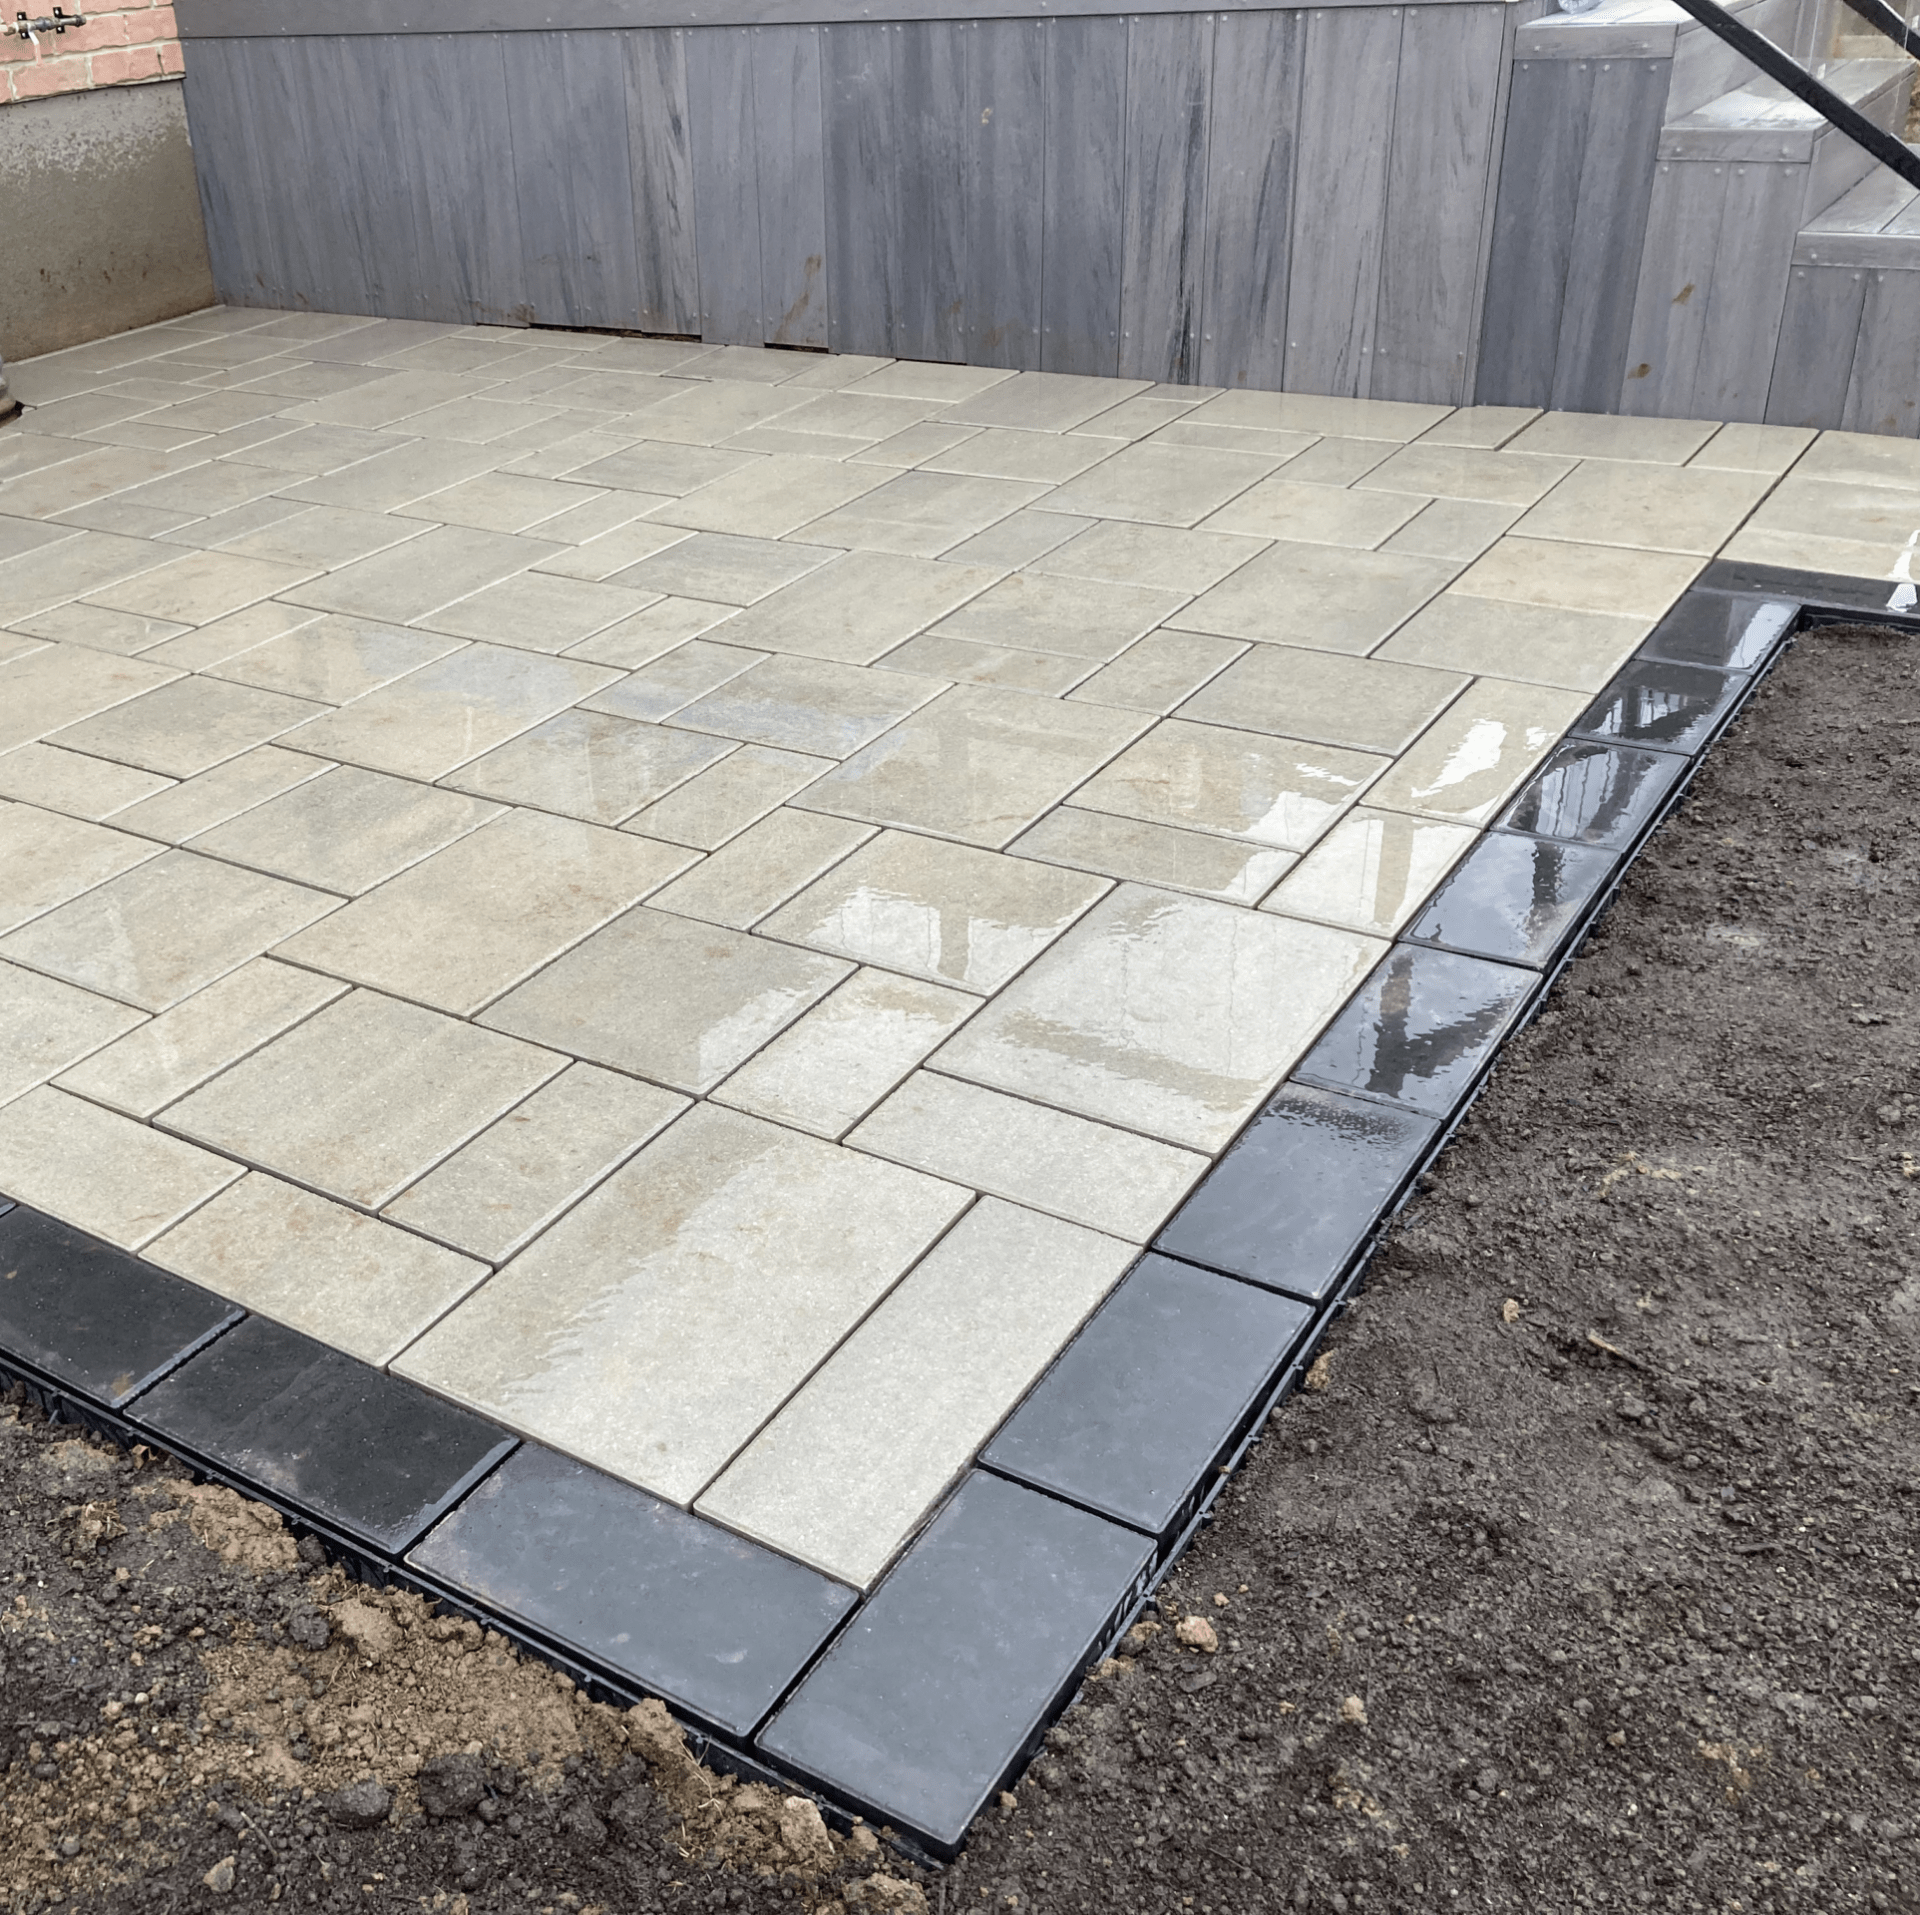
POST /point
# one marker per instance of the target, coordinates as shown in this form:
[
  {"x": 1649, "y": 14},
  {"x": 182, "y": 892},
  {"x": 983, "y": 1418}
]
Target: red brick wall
[{"x": 121, "y": 44}]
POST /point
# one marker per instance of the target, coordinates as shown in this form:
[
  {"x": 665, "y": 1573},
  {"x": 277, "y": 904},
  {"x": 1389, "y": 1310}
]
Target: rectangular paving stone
[
  {"x": 537, "y": 611},
  {"x": 1086, "y": 1173},
  {"x": 199, "y": 803},
  {"x": 46, "y": 1025},
  {"x": 411, "y": 580},
  {"x": 1474, "y": 757},
  {"x": 720, "y": 803},
  {"x": 1153, "y": 854},
  {"x": 1148, "y": 1399},
  {"x": 651, "y": 632},
  {"x": 322, "y": 536},
  {"x": 200, "y": 586},
  {"x": 1456, "y": 529},
  {"x": 847, "y": 1470},
  {"x": 590, "y": 764},
  {"x": 1291, "y": 1203},
  {"x": 1041, "y": 401},
  {"x": 668, "y": 998},
  {"x": 1009, "y": 543},
  {"x": 91, "y": 1318},
  {"x": 1515, "y": 899},
  {"x": 616, "y": 1336},
  {"x": 1451, "y": 470},
  {"x": 1162, "y": 484},
  {"x": 1488, "y": 426},
  {"x": 374, "y": 1458},
  {"x": 187, "y": 727},
  {"x": 1084, "y": 618},
  {"x": 713, "y": 1624},
  {"x": 58, "y": 685},
  {"x": 825, "y": 1072},
  {"x": 1542, "y": 645},
  {"x": 946, "y": 912},
  {"x": 1307, "y": 412},
  {"x": 99, "y": 1171},
  {"x": 1164, "y": 1014},
  {"x": 1606, "y": 502},
  {"x": 724, "y": 569},
  {"x": 363, "y": 1097},
  {"x": 1579, "y": 578},
  {"x": 1372, "y": 871},
  {"x": 1594, "y": 793},
  {"x": 966, "y": 662},
  {"x": 1333, "y": 597},
  {"x": 227, "y": 637},
  {"x": 167, "y": 1056},
  {"x": 1597, "y": 435},
  {"x": 497, "y": 502},
  {"x": 1011, "y": 453},
  {"x": 347, "y": 1279},
  {"x": 1159, "y": 556},
  {"x": 762, "y": 868},
  {"x": 49, "y": 575},
  {"x": 464, "y": 926},
  {"x": 1421, "y": 1029},
  {"x": 1022, "y": 756},
  {"x": 128, "y": 633},
  {"x": 1648, "y": 702},
  {"x": 496, "y": 1193},
  {"x": 1158, "y": 672},
  {"x": 1363, "y": 703},
  {"x": 1285, "y": 507},
  {"x": 332, "y": 661},
  {"x": 936, "y": 1692},
  {"x": 922, "y": 514},
  {"x": 673, "y": 681},
  {"x": 809, "y": 705},
  {"x": 161, "y": 931},
  {"x": 771, "y": 497},
  {"x": 46, "y": 858},
  {"x": 451, "y": 711}
]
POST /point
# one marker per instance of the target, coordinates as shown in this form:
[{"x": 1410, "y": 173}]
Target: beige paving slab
[
  {"x": 1846, "y": 458},
  {"x": 923, "y": 513},
  {"x": 132, "y": 521},
  {"x": 225, "y": 638},
  {"x": 95, "y": 474},
  {"x": 467, "y": 924},
  {"x": 611, "y": 390},
  {"x": 537, "y": 612},
  {"x": 966, "y": 662},
  {"x": 1542, "y": 644},
  {"x": 497, "y": 502},
  {"x": 725, "y": 570},
  {"x": 1280, "y": 792},
  {"x": 348, "y": 1279},
  {"x": 845, "y": 1473},
  {"x": 188, "y": 726},
  {"x": 70, "y": 781},
  {"x": 864, "y": 418},
  {"x": 667, "y": 470},
  {"x": 1815, "y": 552},
  {"x": 1457, "y": 529},
  {"x": 493, "y": 420},
  {"x": 23, "y": 452},
  {"x": 1305, "y": 412},
  {"x": 1336, "y": 460},
  {"x": 347, "y": 830},
  {"x": 102, "y": 1172},
  {"x": 1603, "y": 435},
  {"x": 1163, "y": 557},
  {"x": 50, "y": 575},
  {"x": 824, "y": 1073},
  {"x": 1170, "y": 1015},
  {"x": 1753, "y": 448},
  {"x": 46, "y": 1025},
  {"x": 200, "y": 587},
  {"x": 204, "y": 489},
  {"x": 1471, "y": 761},
  {"x": 451, "y": 711},
  {"x": 703, "y": 415},
  {"x": 1163, "y": 484},
  {"x": 771, "y": 497},
  {"x": 590, "y": 764},
  {"x": 47, "y": 857},
  {"x": 615, "y": 1338},
  {"x": 809, "y": 705},
  {"x": 1333, "y": 597},
  {"x": 858, "y": 607},
  {"x": 1153, "y": 854},
  {"x": 1875, "y": 514},
  {"x": 322, "y": 537},
  {"x": 944, "y": 912},
  {"x": 914, "y": 446},
  {"x": 399, "y": 472},
  {"x": 1579, "y": 578},
  {"x": 106, "y": 631},
  {"x": 333, "y": 660},
  {"x": 1373, "y": 871},
  {"x": 1367, "y": 704},
  {"x": 945, "y": 385},
  {"x": 55, "y": 686},
  {"x": 1145, "y": 413},
  {"x": 444, "y": 563},
  {"x": 651, "y": 632},
  {"x": 1156, "y": 673},
  {"x": 607, "y": 553},
  {"x": 592, "y": 515},
  {"x": 1084, "y": 618},
  {"x": 495, "y": 1194},
  {"x": 363, "y": 1097},
  {"x": 1110, "y": 1180},
  {"x": 1615, "y": 502},
  {"x": 176, "y": 1052},
  {"x": 1283, "y": 508},
  {"x": 720, "y": 803},
  {"x": 17, "y": 645},
  {"x": 195, "y": 805},
  {"x": 674, "y": 680},
  {"x": 311, "y": 450},
  {"x": 1468, "y": 472},
  {"x": 386, "y": 401},
  {"x": 762, "y": 868},
  {"x": 979, "y": 763},
  {"x": 1042, "y": 401},
  {"x": 1487, "y": 426},
  {"x": 1046, "y": 457},
  {"x": 668, "y": 998}
]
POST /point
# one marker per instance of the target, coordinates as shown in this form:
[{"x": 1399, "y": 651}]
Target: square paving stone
[
  {"x": 937, "y": 1690},
  {"x": 1421, "y": 1029},
  {"x": 1300, "y": 1191},
  {"x": 1669, "y": 707},
  {"x": 713, "y": 1624},
  {"x": 1593, "y": 793},
  {"x": 91, "y": 1317},
  {"x": 1514, "y": 898},
  {"x": 365, "y": 1453},
  {"x": 1142, "y": 1405},
  {"x": 1734, "y": 631}
]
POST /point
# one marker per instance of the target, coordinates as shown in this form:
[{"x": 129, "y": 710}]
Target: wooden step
[
  {"x": 1876, "y": 226},
  {"x": 1761, "y": 120}
]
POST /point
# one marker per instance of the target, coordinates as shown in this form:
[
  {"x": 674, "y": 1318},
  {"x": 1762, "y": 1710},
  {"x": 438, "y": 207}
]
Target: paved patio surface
[{"x": 704, "y": 903}]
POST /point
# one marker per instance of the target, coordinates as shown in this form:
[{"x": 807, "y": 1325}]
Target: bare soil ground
[{"x": 1586, "y": 1579}]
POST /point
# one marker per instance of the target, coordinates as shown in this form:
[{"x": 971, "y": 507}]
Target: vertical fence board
[
  {"x": 232, "y": 193},
  {"x": 1437, "y": 187},
  {"x": 574, "y": 179},
  {"x": 1675, "y": 287},
  {"x": 456, "y": 146},
  {"x": 863, "y": 269},
  {"x": 726, "y": 183},
  {"x": 1083, "y": 217},
  {"x": 284, "y": 81},
  {"x": 1339, "y": 197},
  {"x": 1169, "y": 83},
  {"x": 1884, "y": 393},
  {"x": 356, "y": 114},
  {"x": 660, "y": 155},
  {"x": 1257, "y": 64},
  {"x": 1748, "y": 294},
  {"x": 1006, "y": 106},
  {"x": 930, "y": 94},
  {"x": 1813, "y": 362},
  {"x": 792, "y": 186}
]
